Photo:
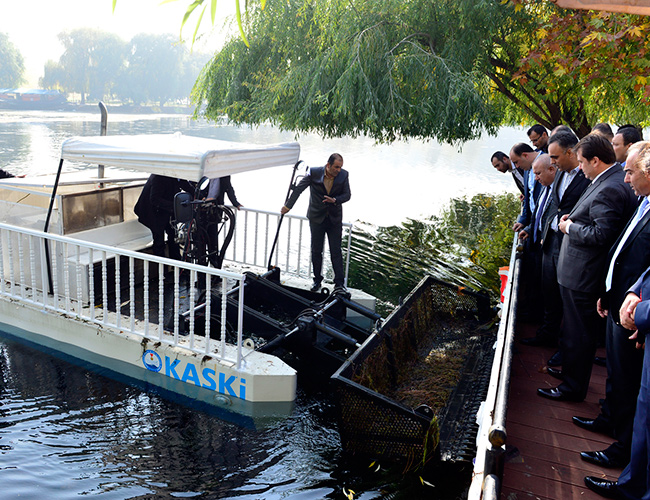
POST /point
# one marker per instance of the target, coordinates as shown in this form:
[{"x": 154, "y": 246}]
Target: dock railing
[
  {"x": 487, "y": 476},
  {"x": 97, "y": 283},
  {"x": 255, "y": 231}
]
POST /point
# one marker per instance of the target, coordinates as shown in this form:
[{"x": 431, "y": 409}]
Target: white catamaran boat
[{"x": 77, "y": 278}]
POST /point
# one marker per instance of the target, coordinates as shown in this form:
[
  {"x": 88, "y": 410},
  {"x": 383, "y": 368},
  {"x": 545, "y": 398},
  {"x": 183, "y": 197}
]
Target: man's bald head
[{"x": 544, "y": 171}]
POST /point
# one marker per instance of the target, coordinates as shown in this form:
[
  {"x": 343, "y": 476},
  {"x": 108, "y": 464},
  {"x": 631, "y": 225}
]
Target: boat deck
[{"x": 543, "y": 448}]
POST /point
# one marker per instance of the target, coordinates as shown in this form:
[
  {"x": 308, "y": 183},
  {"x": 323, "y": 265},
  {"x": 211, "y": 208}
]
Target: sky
[{"x": 33, "y": 25}]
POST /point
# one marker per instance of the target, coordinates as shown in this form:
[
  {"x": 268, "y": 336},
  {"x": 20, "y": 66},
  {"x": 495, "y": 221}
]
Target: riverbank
[{"x": 130, "y": 109}]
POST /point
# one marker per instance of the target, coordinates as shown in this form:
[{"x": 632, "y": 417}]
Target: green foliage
[
  {"x": 449, "y": 69},
  {"x": 465, "y": 246},
  {"x": 393, "y": 69},
  {"x": 12, "y": 65},
  {"x": 481, "y": 229}
]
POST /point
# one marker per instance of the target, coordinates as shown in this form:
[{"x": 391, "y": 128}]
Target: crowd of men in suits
[{"x": 585, "y": 227}]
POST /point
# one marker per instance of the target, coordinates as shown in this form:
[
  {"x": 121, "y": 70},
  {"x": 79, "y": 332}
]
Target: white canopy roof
[{"x": 178, "y": 155}]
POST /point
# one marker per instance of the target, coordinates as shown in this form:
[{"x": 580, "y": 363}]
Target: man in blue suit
[
  {"x": 634, "y": 481},
  {"x": 627, "y": 260},
  {"x": 329, "y": 188}
]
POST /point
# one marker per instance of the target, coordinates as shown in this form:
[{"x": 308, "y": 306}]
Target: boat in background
[{"x": 31, "y": 99}]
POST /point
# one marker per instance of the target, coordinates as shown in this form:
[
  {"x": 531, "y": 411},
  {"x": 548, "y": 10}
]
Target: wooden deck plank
[{"x": 543, "y": 459}]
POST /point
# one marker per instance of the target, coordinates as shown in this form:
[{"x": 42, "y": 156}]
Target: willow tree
[
  {"x": 448, "y": 69},
  {"x": 12, "y": 64}
]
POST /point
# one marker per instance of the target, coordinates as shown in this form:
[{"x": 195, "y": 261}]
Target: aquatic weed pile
[{"x": 421, "y": 359}]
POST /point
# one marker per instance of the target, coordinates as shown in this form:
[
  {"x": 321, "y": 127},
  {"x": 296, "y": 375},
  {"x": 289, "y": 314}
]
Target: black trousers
[
  {"x": 624, "y": 366},
  {"x": 553, "y": 311},
  {"x": 581, "y": 330},
  {"x": 158, "y": 234},
  {"x": 334, "y": 237}
]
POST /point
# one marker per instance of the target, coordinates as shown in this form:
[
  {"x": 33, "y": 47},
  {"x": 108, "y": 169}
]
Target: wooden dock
[{"x": 543, "y": 448}]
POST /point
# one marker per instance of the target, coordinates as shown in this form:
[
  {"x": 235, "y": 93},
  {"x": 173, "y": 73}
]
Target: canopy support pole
[
  {"x": 102, "y": 131},
  {"x": 277, "y": 233},
  {"x": 47, "y": 226}
]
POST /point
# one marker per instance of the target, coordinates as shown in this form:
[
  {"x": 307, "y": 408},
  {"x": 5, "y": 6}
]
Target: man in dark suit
[
  {"x": 634, "y": 481},
  {"x": 539, "y": 137},
  {"x": 627, "y": 260},
  {"x": 502, "y": 163},
  {"x": 329, "y": 188},
  {"x": 523, "y": 156},
  {"x": 217, "y": 191},
  {"x": 155, "y": 209},
  {"x": 569, "y": 184},
  {"x": 589, "y": 230}
]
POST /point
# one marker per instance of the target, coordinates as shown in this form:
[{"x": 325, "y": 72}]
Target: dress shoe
[
  {"x": 604, "y": 487},
  {"x": 600, "y": 361},
  {"x": 555, "y": 372},
  {"x": 556, "y": 359},
  {"x": 539, "y": 341},
  {"x": 604, "y": 459},
  {"x": 557, "y": 395},
  {"x": 593, "y": 425},
  {"x": 316, "y": 286}
]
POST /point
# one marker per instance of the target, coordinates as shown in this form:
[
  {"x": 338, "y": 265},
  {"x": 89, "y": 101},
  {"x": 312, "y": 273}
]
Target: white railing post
[
  {"x": 208, "y": 311},
  {"x": 193, "y": 304},
  {"x": 91, "y": 283},
  {"x": 21, "y": 267},
  {"x": 161, "y": 300},
  {"x": 224, "y": 303},
  {"x": 78, "y": 273},
  {"x": 145, "y": 266},
  {"x": 131, "y": 293},
  {"x": 43, "y": 270},
  {"x": 32, "y": 267},
  {"x": 66, "y": 278},
  {"x": 104, "y": 289},
  {"x": 118, "y": 296},
  {"x": 240, "y": 322}
]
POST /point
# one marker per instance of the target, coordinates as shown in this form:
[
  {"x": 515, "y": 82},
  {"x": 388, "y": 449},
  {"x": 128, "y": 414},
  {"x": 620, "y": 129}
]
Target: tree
[
  {"x": 449, "y": 69},
  {"x": 12, "y": 65},
  {"x": 89, "y": 65},
  {"x": 154, "y": 69}
]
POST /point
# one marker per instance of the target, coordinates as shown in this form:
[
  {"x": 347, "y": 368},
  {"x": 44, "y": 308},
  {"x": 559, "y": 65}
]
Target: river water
[{"x": 67, "y": 430}]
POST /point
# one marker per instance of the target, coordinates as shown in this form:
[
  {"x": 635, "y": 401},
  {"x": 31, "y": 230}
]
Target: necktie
[
  {"x": 539, "y": 213},
  {"x": 635, "y": 220}
]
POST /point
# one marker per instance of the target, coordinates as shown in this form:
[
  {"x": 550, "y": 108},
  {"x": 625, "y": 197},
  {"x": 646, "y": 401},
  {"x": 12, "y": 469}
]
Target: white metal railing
[
  {"x": 68, "y": 287},
  {"x": 488, "y": 464},
  {"x": 254, "y": 235}
]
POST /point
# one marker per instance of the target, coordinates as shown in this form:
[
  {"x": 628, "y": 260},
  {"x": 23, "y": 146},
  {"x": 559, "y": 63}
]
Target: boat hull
[{"x": 263, "y": 389}]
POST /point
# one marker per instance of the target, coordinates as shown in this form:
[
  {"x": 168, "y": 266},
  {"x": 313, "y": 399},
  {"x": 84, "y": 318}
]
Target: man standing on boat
[
  {"x": 218, "y": 189},
  {"x": 627, "y": 260},
  {"x": 634, "y": 481},
  {"x": 329, "y": 188},
  {"x": 155, "y": 209},
  {"x": 589, "y": 231}
]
